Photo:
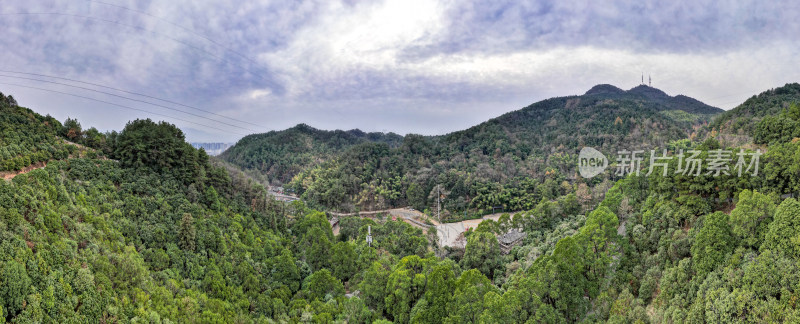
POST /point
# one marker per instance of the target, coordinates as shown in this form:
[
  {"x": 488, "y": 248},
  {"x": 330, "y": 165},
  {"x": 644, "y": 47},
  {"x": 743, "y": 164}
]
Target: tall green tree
[
  {"x": 14, "y": 287},
  {"x": 322, "y": 283},
  {"x": 467, "y": 304},
  {"x": 712, "y": 244},
  {"x": 317, "y": 249},
  {"x": 482, "y": 253},
  {"x": 344, "y": 260},
  {"x": 405, "y": 286},
  {"x": 438, "y": 295},
  {"x": 187, "y": 235},
  {"x": 783, "y": 235},
  {"x": 751, "y": 217}
]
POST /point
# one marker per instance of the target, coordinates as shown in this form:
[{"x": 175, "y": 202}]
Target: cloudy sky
[{"x": 407, "y": 66}]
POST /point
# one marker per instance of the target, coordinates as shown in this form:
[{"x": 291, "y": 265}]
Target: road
[{"x": 450, "y": 234}]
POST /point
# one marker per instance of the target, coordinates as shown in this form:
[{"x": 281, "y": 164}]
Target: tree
[
  {"x": 159, "y": 146},
  {"x": 597, "y": 236},
  {"x": 284, "y": 271},
  {"x": 467, "y": 303},
  {"x": 187, "y": 233},
  {"x": 214, "y": 283},
  {"x": 14, "y": 287},
  {"x": 321, "y": 284},
  {"x": 72, "y": 130},
  {"x": 405, "y": 286},
  {"x": 212, "y": 199},
  {"x": 751, "y": 217},
  {"x": 437, "y": 295},
  {"x": 712, "y": 244},
  {"x": 316, "y": 249},
  {"x": 561, "y": 278},
  {"x": 355, "y": 311},
  {"x": 373, "y": 286},
  {"x": 783, "y": 235},
  {"x": 343, "y": 260},
  {"x": 483, "y": 253}
]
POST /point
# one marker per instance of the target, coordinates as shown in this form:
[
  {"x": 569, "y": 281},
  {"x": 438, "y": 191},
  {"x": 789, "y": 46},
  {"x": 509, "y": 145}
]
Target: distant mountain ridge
[
  {"x": 644, "y": 92},
  {"x": 347, "y": 170},
  {"x": 212, "y": 149},
  {"x": 282, "y": 154}
]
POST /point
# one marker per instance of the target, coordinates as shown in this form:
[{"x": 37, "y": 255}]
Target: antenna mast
[
  {"x": 650, "y": 80},
  {"x": 369, "y": 235}
]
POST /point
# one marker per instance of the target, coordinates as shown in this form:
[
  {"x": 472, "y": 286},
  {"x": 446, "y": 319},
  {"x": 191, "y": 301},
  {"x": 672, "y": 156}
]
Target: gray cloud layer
[{"x": 405, "y": 66}]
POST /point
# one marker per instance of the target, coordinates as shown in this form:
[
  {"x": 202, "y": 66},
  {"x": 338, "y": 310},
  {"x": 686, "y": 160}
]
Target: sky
[{"x": 224, "y": 69}]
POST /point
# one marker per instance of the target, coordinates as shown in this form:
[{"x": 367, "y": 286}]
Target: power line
[
  {"x": 132, "y": 99},
  {"x": 111, "y": 22},
  {"x": 146, "y": 30},
  {"x": 130, "y": 92},
  {"x": 189, "y": 30},
  {"x": 118, "y": 105}
]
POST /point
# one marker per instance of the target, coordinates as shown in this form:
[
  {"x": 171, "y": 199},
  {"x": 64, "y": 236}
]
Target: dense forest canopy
[
  {"x": 138, "y": 226},
  {"x": 281, "y": 155},
  {"x": 508, "y": 163},
  {"x": 742, "y": 119}
]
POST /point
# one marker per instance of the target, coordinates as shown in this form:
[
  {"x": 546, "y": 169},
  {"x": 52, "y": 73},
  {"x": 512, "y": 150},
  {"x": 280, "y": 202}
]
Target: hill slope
[
  {"x": 162, "y": 235},
  {"x": 515, "y": 154},
  {"x": 282, "y": 154},
  {"x": 743, "y": 119}
]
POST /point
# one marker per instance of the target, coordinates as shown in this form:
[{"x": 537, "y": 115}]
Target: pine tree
[{"x": 187, "y": 233}]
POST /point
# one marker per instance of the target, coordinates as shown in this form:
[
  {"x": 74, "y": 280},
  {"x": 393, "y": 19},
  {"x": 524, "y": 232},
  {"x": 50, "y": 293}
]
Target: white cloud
[{"x": 404, "y": 66}]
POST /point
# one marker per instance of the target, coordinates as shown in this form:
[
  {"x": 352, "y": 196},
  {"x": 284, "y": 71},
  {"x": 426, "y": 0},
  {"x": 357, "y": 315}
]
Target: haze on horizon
[{"x": 427, "y": 67}]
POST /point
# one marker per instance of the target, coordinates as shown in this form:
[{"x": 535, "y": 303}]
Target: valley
[{"x": 143, "y": 224}]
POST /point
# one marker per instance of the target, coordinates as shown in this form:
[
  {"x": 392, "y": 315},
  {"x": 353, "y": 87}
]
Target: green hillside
[
  {"x": 509, "y": 163},
  {"x": 141, "y": 227},
  {"x": 27, "y": 138},
  {"x": 743, "y": 119},
  {"x": 281, "y": 155}
]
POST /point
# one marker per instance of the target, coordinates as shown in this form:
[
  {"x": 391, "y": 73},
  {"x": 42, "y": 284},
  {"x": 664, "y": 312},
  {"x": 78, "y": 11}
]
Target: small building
[{"x": 509, "y": 240}]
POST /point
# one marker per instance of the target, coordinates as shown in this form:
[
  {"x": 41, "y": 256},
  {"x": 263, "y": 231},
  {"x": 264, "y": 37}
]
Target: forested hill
[
  {"x": 158, "y": 233},
  {"x": 27, "y": 138},
  {"x": 604, "y": 117},
  {"x": 743, "y": 119},
  {"x": 145, "y": 228},
  {"x": 282, "y": 154},
  {"x": 491, "y": 165}
]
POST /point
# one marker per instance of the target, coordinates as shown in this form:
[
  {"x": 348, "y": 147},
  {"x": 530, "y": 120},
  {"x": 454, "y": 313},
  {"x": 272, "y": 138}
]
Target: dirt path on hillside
[{"x": 8, "y": 175}]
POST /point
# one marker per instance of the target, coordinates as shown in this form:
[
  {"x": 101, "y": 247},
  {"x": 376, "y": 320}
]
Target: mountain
[
  {"x": 653, "y": 95},
  {"x": 605, "y": 117},
  {"x": 212, "y": 149},
  {"x": 743, "y": 119},
  {"x": 282, "y": 154},
  {"x": 138, "y": 226},
  {"x": 526, "y": 154}
]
